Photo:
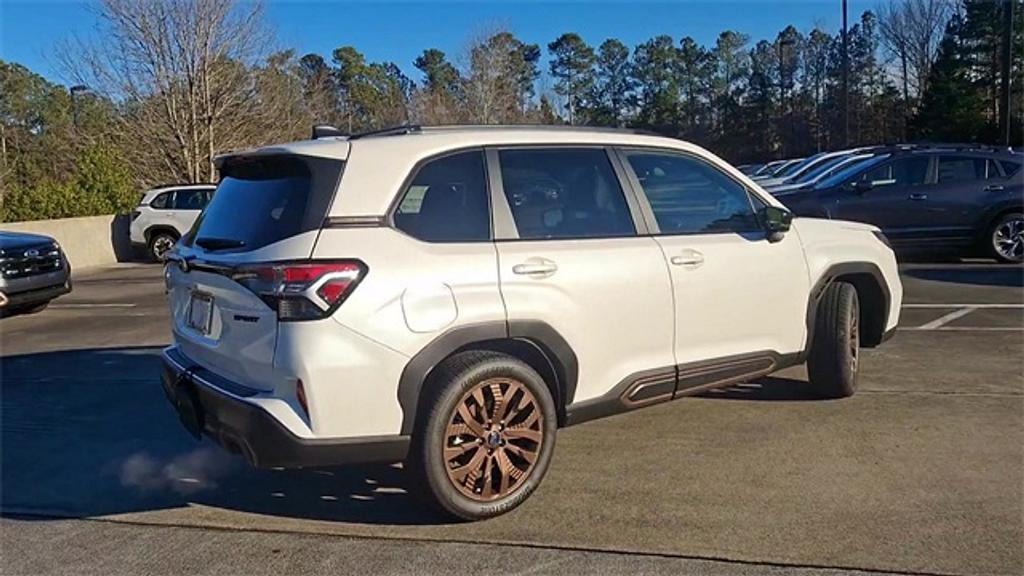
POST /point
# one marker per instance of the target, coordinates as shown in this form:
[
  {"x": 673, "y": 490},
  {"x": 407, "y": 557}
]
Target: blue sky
[{"x": 399, "y": 31}]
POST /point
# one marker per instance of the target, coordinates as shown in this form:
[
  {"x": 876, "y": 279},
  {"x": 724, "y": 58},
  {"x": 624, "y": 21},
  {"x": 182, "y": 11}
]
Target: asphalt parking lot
[{"x": 921, "y": 472}]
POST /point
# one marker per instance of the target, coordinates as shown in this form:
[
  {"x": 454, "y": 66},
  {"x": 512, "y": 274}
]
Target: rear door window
[
  {"x": 961, "y": 169},
  {"x": 564, "y": 193},
  {"x": 190, "y": 199},
  {"x": 264, "y": 200},
  {"x": 447, "y": 201}
]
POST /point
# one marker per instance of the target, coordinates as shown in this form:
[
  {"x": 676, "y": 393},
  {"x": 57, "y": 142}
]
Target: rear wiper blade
[{"x": 219, "y": 243}]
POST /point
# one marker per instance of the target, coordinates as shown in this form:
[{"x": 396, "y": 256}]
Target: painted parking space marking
[
  {"x": 947, "y": 318},
  {"x": 88, "y": 305},
  {"x": 940, "y": 305},
  {"x": 958, "y": 311},
  {"x": 962, "y": 329}
]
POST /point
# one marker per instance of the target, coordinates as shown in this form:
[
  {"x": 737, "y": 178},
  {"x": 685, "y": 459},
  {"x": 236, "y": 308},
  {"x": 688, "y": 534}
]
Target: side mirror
[{"x": 776, "y": 222}]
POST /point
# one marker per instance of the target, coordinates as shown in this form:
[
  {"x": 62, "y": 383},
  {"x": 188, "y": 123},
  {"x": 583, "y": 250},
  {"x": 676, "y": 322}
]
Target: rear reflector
[
  {"x": 300, "y": 395},
  {"x": 302, "y": 290}
]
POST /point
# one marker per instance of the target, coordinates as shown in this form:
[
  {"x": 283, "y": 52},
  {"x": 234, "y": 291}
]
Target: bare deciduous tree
[
  {"x": 911, "y": 31},
  {"x": 182, "y": 69}
]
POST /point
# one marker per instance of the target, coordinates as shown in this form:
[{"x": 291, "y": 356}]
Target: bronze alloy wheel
[{"x": 493, "y": 439}]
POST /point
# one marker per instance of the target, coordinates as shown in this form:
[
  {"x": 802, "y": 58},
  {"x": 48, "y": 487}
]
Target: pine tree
[
  {"x": 952, "y": 108},
  {"x": 572, "y": 67}
]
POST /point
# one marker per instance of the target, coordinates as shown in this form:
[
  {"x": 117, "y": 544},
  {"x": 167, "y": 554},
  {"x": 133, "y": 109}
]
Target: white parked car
[
  {"x": 165, "y": 214},
  {"x": 453, "y": 296}
]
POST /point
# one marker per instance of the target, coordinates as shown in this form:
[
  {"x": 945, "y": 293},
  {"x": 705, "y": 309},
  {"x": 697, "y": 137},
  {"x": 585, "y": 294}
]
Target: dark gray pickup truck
[{"x": 33, "y": 271}]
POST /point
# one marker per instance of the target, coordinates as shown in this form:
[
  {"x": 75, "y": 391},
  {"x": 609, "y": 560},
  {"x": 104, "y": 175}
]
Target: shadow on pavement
[
  {"x": 768, "y": 388},
  {"x": 986, "y": 275},
  {"x": 90, "y": 433}
]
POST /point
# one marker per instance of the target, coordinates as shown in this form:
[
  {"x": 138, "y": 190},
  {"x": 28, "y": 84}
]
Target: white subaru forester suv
[{"x": 449, "y": 297}]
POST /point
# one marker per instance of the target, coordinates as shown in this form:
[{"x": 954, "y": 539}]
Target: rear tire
[
  {"x": 487, "y": 437},
  {"x": 1005, "y": 239},
  {"x": 834, "y": 358},
  {"x": 160, "y": 243}
]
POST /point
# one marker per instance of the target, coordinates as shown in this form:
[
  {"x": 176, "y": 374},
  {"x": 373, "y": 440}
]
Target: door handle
[
  {"x": 994, "y": 188},
  {"x": 688, "y": 258},
  {"x": 918, "y": 196},
  {"x": 536, "y": 267}
]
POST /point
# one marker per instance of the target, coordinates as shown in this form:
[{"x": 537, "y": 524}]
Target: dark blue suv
[{"x": 966, "y": 198}]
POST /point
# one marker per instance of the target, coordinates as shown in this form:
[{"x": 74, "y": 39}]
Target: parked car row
[{"x": 952, "y": 197}]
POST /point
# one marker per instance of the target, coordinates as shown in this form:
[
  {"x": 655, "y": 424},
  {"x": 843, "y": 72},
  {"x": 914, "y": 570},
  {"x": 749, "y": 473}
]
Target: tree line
[{"x": 174, "y": 83}]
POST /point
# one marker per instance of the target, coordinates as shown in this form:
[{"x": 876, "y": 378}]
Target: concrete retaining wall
[{"x": 89, "y": 242}]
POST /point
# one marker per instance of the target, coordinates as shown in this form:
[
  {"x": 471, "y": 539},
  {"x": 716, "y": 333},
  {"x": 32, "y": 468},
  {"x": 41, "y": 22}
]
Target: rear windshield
[{"x": 265, "y": 200}]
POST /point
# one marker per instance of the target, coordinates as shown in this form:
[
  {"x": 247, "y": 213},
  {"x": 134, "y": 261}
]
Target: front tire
[
  {"x": 834, "y": 359},
  {"x": 487, "y": 438},
  {"x": 160, "y": 243},
  {"x": 1006, "y": 238}
]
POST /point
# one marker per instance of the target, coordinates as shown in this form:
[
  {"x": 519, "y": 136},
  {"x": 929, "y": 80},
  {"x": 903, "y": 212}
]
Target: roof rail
[
  {"x": 182, "y": 185},
  {"x": 553, "y": 127},
  {"x": 326, "y": 131},
  {"x": 954, "y": 146},
  {"x": 391, "y": 131}
]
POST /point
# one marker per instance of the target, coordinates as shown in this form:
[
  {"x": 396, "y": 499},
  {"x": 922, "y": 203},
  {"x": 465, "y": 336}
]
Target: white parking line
[
  {"x": 92, "y": 305},
  {"x": 931, "y": 305},
  {"x": 947, "y": 318},
  {"x": 963, "y": 329}
]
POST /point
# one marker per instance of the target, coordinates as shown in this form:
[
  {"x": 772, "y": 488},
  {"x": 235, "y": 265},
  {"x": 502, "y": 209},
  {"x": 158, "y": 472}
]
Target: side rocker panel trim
[{"x": 654, "y": 386}]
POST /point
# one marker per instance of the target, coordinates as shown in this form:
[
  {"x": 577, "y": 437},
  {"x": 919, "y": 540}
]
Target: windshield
[
  {"x": 261, "y": 201},
  {"x": 821, "y": 167},
  {"x": 844, "y": 174},
  {"x": 790, "y": 169}
]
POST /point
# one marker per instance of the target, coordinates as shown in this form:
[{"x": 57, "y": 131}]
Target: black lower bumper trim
[{"x": 243, "y": 427}]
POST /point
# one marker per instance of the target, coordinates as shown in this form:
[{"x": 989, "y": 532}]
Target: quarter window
[
  {"x": 688, "y": 196},
  {"x": 1009, "y": 168},
  {"x": 162, "y": 201},
  {"x": 564, "y": 193},
  {"x": 447, "y": 201}
]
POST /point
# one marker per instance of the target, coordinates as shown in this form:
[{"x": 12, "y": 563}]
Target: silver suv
[{"x": 165, "y": 214}]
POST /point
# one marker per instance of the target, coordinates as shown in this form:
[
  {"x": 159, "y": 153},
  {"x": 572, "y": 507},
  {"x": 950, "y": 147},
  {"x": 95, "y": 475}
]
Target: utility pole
[
  {"x": 785, "y": 111},
  {"x": 846, "y": 83},
  {"x": 1006, "y": 83},
  {"x": 74, "y": 91}
]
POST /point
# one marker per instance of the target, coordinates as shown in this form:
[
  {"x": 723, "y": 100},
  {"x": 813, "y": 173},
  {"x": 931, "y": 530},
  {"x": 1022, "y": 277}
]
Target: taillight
[
  {"x": 302, "y": 290},
  {"x": 135, "y": 214}
]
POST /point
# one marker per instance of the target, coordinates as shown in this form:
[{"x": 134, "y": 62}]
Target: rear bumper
[{"x": 209, "y": 405}]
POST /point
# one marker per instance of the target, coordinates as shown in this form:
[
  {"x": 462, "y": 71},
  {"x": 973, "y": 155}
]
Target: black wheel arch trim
[
  {"x": 548, "y": 341},
  {"x": 153, "y": 230},
  {"x": 992, "y": 214},
  {"x": 875, "y": 333}
]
